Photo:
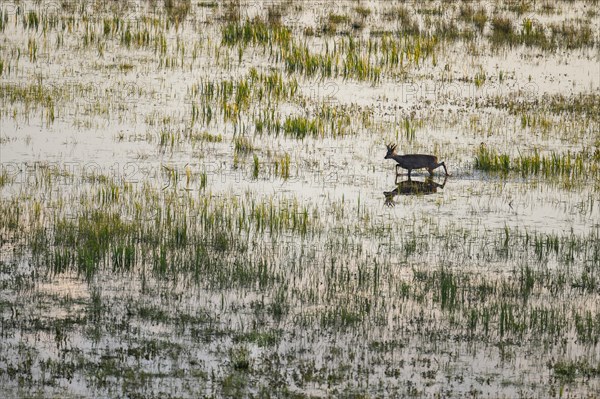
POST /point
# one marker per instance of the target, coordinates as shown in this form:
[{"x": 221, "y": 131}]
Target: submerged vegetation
[{"x": 191, "y": 199}]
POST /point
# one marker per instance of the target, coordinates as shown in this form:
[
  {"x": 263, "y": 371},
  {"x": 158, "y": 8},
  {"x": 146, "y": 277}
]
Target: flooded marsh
[{"x": 194, "y": 200}]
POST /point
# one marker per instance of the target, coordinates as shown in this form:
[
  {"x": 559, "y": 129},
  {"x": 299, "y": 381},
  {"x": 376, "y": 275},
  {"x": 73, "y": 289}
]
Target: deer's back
[{"x": 415, "y": 161}]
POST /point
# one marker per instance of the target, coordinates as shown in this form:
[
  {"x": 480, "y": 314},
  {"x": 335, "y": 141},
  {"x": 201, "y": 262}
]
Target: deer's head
[{"x": 391, "y": 151}]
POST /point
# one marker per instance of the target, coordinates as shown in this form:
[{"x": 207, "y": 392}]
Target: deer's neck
[{"x": 398, "y": 158}]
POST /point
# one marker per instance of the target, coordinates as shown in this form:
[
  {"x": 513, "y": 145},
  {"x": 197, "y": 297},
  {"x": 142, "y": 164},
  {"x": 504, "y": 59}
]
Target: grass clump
[
  {"x": 177, "y": 10},
  {"x": 569, "y": 165},
  {"x": 402, "y": 15},
  {"x": 255, "y": 32},
  {"x": 568, "y": 34},
  {"x": 31, "y": 20},
  {"x": 503, "y": 31},
  {"x": 568, "y": 371},
  {"x": 299, "y": 59},
  {"x": 331, "y": 23},
  {"x": 207, "y": 137},
  {"x": 363, "y": 12},
  {"x": 256, "y": 167},
  {"x": 262, "y": 339},
  {"x": 32, "y": 96},
  {"x": 490, "y": 161},
  {"x": 571, "y": 36},
  {"x": 582, "y": 105},
  {"x": 208, "y": 4},
  {"x": 85, "y": 244},
  {"x": 5, "y": 178},
  {"x": 282, "y": 166},
  {"x": 533, "y": 35},
  {"x": 299, "y": 127},
  {"x": 3, "y": 20},
  {"x": 242, "y": 144},
  {"x": 478, "y": 17}
]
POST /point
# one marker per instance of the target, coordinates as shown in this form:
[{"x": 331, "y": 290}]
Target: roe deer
[{"x": 414, "y": 161}]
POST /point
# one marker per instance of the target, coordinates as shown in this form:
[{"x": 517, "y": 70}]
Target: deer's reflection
[{"x": 412, "y": 187}]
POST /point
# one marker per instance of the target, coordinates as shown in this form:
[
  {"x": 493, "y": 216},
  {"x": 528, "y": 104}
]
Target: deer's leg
[
  {"x": 437, "y": 165},
  {"x": 444, "y": 183},
  {"x": 445, "y": 170},
  {"x": 410, "y": 170}
]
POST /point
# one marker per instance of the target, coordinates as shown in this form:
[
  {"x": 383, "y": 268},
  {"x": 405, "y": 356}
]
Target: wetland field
[{"x": 194, "y": 200}]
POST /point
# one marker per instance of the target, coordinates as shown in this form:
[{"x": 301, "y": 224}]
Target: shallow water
[{"x": 147, "y": 250}]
